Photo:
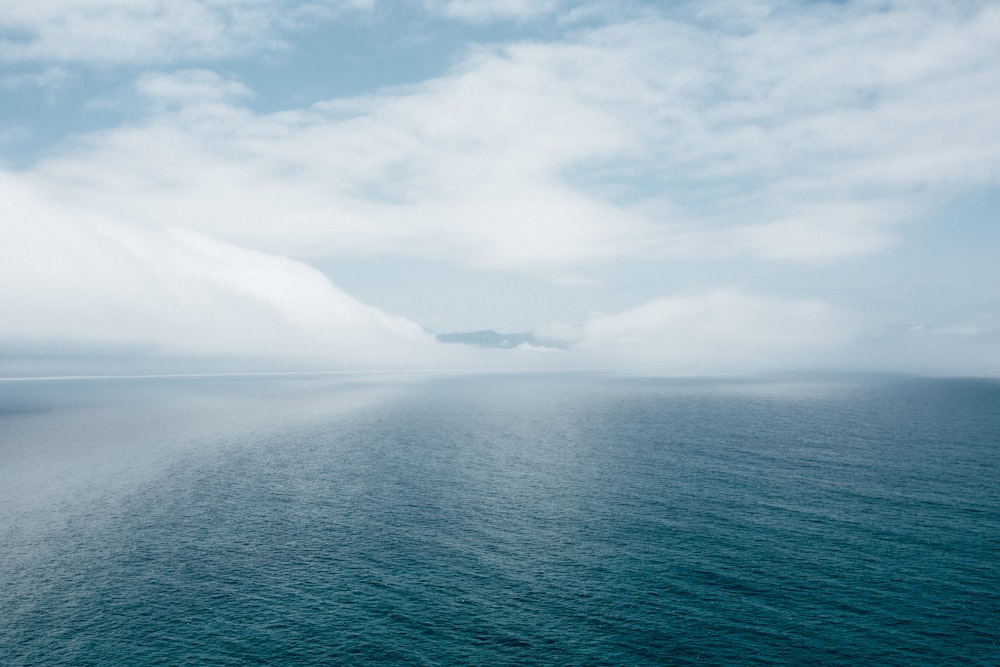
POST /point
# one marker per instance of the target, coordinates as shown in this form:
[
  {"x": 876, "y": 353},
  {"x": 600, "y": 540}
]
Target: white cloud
[
  {"x": 149, "y": 31},
  {"x": 189, "y": 88},
  {"x": 803, "y": 134},
  {"x": 74, "y": 278},
  {"x": 823, "y": 232},
  {"x": 723, "y": 331},
  {"x": 732, "y": 331},
  {"x": 963, "y": 348},
  {"x": 478, "y": 11},
  {"x": 438, "y": 172}
]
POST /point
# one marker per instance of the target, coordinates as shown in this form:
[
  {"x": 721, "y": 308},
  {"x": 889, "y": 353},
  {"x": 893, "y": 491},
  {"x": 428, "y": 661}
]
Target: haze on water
[{"x": 502, "y": 519}]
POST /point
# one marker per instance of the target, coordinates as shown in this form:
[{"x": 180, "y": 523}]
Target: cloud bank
[
  {"x": 721, "y": 331},
  {"x": 77, "y": 279}
]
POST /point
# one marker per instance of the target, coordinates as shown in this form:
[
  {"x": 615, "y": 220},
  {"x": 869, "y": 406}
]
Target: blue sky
[{"x": 710, "y": 187}]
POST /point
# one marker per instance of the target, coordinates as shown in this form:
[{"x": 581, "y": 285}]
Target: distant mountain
[{"x": 492, "y": 339}]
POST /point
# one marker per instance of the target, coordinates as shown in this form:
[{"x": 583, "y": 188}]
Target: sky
[{"x": 714, "y": 187}]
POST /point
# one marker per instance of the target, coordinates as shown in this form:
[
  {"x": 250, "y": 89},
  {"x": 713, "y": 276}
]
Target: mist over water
[{"x": 499, "y": 520}]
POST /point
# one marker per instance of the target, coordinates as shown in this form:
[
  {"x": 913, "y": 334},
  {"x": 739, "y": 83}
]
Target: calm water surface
[{"x": 500, "y": 520}]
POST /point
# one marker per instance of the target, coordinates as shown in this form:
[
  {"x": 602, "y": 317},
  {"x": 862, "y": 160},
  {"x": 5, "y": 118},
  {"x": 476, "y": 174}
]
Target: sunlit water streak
[{"x": 503, "y": 520}]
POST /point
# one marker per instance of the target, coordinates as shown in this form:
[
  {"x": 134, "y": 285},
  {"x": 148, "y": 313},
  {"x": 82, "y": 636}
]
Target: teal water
[{"x": 500, "y": 521}]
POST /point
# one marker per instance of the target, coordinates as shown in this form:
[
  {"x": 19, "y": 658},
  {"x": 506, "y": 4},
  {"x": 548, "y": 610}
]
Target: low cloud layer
[
  {"x": 719, "y": 332},
  {"x": 74, "y": 279}
]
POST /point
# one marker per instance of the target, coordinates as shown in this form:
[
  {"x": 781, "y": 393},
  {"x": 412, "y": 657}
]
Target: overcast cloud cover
[{"x": 704, "y": 187}]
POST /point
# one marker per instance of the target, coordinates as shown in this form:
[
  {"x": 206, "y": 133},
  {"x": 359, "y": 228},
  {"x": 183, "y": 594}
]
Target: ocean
[{"x": 500, "y": 520}]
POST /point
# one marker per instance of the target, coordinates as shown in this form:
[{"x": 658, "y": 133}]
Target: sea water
[{"x": 503, "y": 520}]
